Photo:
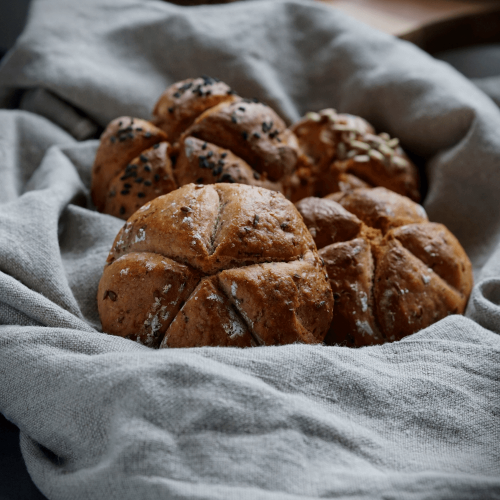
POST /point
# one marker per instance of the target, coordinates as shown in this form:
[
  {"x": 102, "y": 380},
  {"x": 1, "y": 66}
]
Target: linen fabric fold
[{"x": 104, "y": 417}]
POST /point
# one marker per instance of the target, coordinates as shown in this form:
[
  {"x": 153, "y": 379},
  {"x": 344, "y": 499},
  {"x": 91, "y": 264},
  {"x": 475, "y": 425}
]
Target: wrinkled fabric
[{"x": 104, "y": 417}]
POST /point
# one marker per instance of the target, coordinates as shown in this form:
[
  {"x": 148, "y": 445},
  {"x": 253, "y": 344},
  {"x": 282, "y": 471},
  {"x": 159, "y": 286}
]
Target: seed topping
[
  {"x": 361, "y": 158},
  {"x": 266, "y": 127}
]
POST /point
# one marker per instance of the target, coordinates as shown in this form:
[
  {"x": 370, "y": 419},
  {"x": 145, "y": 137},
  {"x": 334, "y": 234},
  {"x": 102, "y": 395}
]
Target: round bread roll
[
  {"x": 253, "y": 132},
  {"x": 184, "y": 101},
  {"x": 202, "y": 162},
  {"x": 218, "y": 265},
  {"x": 392, "y": 272},
  {"x": 124, "y": 139},
  {"x": 216, "y": 137},
  {"x": 146, "y": 177},
  {"x": 341, "y": 152}
]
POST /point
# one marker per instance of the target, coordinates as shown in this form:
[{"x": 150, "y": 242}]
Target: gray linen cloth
[{"x": 105, "y": 418}]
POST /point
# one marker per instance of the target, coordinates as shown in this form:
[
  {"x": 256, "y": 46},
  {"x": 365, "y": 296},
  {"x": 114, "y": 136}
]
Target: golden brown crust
[
  {"x": 334, "y": 145},
  {"x": 123, "y": 140},
  {"x": 408, "y": 297},
  {"x": 253, "y": 132},
  {"x": 348, "y": 182},
  {"x": 380, "y": 208},
  {"x": 238, "y": 226},
  {"x": 394, "y": 278},
  {"x": 283, "y": 302},
  {"x": 140, "y": 294},
  {"x": 392, "y": 170},
  {"x": 249, "y": 141},
  {"x": 146, "y": 177},
  {"x": 257, "y": 225},
  {"x": 181, "y": 103},
  {"x": 440, "y": 251},
  {"x": 327, "y": 221},
  {"x": 202, "y": 162},
  {"x": 208, "y": 319},
  {"x": 321, "y": 134},
  {"x": 243, "y": 236},
  {"x": 174, "y": 226},
  {"x": 301, "y": 184},
  {"x": 350, "y": 268},
  {"x": 322, "y": 139}
]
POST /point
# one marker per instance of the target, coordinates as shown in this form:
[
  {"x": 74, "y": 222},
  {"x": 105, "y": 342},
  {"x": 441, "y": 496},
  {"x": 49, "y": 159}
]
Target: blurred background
[
  {"x": 465, "y": 33},
  {"x": 12, "y": 18}
]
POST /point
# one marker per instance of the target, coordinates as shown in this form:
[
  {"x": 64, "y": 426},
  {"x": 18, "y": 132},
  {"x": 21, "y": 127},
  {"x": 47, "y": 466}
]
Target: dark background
[
  {"x": 15, "y": 482},
  {"x": 12, "y": 19}
]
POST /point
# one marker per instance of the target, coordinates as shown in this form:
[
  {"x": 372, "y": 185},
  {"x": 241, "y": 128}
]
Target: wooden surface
[
  {"x": 400, "y": 17},
  {"x": 433, "y": 25}
]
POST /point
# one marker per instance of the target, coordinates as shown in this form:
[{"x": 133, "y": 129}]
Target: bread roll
[
  {"x": 124, "y": 139},
  {"x": 144, "y": 178},
  {"x": 253, "y": 132},
  {"x": 181, "y": 103},
  {"x": 392, "y": 272},
  {"x": 222, "y": 265},
  {"x": 214, "y": 136},
  {"x": 341, "y": 152},
  {"x": 202, "y": 162}
]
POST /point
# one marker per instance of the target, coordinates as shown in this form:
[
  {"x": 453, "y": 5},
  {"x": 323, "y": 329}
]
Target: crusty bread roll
[
  {"x": 220, "y": 265},
  {"x": 381, "y": 208},
  {"x": 146, "y": 177},
  {"x": 124, "y": 139},
  {"x": 341, "y": 152},
  {"x": 392, "y": 272},
  {"x": 181, "y": 103},
  {"x": 254, "y": 132},
  {"x": 213, "y": 136},
  {"x": 323, "y": 153},
  {"x": 202, "y": 162}
]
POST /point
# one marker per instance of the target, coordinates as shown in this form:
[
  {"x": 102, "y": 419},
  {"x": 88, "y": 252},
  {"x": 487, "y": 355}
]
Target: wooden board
[
  {"x": 433, "y": 25},
  {"x": 400, "y": 17}
]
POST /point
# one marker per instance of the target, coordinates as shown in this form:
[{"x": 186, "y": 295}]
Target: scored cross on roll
[
  {"x": 219, "y": 265},
  {"x": 392, "y": 272}
]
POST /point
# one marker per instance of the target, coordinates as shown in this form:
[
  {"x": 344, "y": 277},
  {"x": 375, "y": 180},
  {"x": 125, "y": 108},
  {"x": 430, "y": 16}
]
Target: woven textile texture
[{"x": 104, "y": 417}]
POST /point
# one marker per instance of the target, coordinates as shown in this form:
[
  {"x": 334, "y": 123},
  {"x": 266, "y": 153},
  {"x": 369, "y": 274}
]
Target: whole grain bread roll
[
  {"x": 146, "y": 177},
  {"x": 392, "y": 272},
  {"x": 252, "y": 131},
  {"x": 341, "y": 152},
  {"x": 181, "y": 103},
  {"x": 202, "y": 162},
  {"x": 213, "y": 136},
  {"x": 124, "y": 139},
  {"x": 220, "y": 265}
]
